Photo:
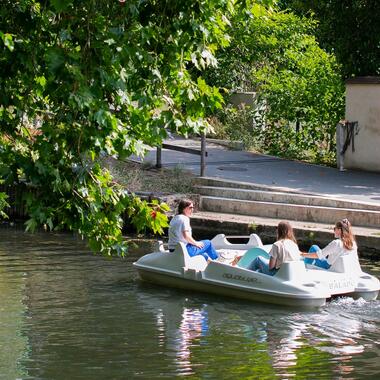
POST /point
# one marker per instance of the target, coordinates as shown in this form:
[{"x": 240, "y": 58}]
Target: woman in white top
[
  {"x": 284, "y": 249},
  {"x": 344, "y": 244},
  {"x": 180, "y": 231}
]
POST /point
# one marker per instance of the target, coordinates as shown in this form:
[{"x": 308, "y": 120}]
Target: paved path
[{"x": 278, "y": 173}]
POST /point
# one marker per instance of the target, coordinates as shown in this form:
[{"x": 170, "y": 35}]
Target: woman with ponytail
[{"x": 344, "y": 244}]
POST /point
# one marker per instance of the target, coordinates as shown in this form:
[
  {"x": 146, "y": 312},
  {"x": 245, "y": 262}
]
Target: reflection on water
[
  {"x": 193, "y": 326},
  {"x": 66, "y": 313}
]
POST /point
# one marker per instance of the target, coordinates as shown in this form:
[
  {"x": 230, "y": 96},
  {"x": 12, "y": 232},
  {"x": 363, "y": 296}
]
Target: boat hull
[
  {"x": 293, "y": 285},
  {"x": 224, "y": 290}
]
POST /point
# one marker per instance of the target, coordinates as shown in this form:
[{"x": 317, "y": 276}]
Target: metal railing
[{"x": 202, "y": 152}]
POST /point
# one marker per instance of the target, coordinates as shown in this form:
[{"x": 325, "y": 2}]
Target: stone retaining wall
[{"x": 369, "y": 246}]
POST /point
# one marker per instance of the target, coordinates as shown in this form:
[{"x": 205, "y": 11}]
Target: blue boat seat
[{"x": 250, "y": 255}]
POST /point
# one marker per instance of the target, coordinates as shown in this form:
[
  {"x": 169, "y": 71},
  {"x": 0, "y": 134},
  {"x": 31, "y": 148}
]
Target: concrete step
[
  {"x": 307, "y": 213},
  {"x": 219, "y": 182},
  {"x": 282, "y": 197}
]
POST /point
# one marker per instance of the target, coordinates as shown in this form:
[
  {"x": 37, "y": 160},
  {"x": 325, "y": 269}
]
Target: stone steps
[
  {"x": 247, "y": 199},
  {"x": 282, "y": 197}
]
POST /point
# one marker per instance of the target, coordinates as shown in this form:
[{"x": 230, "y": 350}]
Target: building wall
[{"x": 363, "y": 106}]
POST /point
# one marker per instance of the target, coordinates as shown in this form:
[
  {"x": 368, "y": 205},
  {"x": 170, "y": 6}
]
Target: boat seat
[
  {"x": 292, "y": 271},
  {"x": 289, "y": 270},
  {"x": 348, "y": 264},
  {"x": 250, "y": 255},
  {"x": 197, "y": 263},
  {"x": 160, "y": 246},
  {"x": 221, "y": 242}
]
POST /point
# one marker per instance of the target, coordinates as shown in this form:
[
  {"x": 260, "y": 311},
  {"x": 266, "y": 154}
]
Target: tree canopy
[
  {"x": 348, "y": 28},
  {"x": 81, "y": 79},
  {"x": 275, "y": 53}
]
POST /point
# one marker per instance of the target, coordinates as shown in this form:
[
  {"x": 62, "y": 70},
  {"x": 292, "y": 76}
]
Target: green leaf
[
  {"x": 61, "y": 5},
  {"x": 92, "y": 79},
  {"x": 31, "y": 225},
  {"x": 7, "y": 40}
]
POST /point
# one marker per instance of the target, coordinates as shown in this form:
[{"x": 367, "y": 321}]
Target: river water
[{"x": 68, "y": 314}]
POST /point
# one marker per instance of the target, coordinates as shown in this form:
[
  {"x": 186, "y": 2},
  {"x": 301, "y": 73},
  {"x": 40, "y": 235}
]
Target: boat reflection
[{"x": 264, "y": 339}]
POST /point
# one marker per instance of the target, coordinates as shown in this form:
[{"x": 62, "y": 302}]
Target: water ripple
[{"x": 66, "y": 313}]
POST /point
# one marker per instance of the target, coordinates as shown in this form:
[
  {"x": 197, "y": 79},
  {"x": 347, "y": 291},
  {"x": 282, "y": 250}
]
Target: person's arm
[
  {"x": 311, "y": 255},
  {"x": 333, "y": 248},
  {"x": 273, "y": 253},
  {"x": 272, "y": 263},
  {"x": 189, "y": 239}
]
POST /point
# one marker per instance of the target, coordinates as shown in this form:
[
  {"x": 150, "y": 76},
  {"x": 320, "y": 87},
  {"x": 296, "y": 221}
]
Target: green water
[{"x": 67, "y": 314}]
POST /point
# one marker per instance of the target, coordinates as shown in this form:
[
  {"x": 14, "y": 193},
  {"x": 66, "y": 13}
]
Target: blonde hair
[{"x": 346, "y": 235}]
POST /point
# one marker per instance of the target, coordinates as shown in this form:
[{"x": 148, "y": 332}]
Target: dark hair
[
  {"x": 285, "y": 231},
  {"x": 183, "y": 203},
  {"x": 347, "y": 235}
]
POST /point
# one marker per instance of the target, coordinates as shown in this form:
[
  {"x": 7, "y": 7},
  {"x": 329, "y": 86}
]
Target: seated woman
[
  {"x": 284, "y": 249},
  {"x": 180, "y": 231},
  {"x": 344, "y": 244}
]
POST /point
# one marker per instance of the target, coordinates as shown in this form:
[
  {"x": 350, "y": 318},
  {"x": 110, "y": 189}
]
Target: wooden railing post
[
  {"x": 203, "y": 154},
  {"x": 158, "y": 158}
]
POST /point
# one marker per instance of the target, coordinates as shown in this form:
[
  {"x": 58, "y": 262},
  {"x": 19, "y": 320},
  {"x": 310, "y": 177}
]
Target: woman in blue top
[{"x": 180, "y": 231}]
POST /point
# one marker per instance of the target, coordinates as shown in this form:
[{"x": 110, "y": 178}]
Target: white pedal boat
[{"x": 293, "y": 284}]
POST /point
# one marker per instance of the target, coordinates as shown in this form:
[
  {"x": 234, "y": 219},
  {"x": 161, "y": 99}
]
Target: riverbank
[
  {"x": 279, "y": 186},
  {"x": 172, "y": 183},
  {"x": 179, "y": 182},
  {"x": 206, "y": 225}
]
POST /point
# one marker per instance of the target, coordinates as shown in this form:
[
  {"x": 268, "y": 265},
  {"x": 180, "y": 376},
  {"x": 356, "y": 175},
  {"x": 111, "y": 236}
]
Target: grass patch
[{"x": 145, "y": 177}]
